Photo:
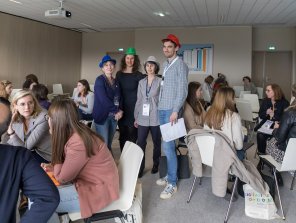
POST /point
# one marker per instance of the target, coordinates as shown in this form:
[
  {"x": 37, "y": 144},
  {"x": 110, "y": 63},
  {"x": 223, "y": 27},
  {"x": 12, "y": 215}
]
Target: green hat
[{"x": 131, "y": 51}]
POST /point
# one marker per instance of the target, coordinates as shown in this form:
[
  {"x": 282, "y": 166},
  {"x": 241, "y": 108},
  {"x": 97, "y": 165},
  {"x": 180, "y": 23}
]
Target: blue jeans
[
  {"x": 169, "y": 149},
  {"x": 69, "y": 202},
  {"x": 107, "y": 130}
]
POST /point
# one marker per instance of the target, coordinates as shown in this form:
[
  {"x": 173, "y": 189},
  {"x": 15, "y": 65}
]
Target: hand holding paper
[{"x": 171, "y": 132}]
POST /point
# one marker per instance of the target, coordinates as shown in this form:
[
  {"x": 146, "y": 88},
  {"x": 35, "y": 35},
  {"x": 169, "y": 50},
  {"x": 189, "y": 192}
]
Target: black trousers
[
  {"x": 261, "y": 142},
  {"x": 142, "y": 142},
  {"x": 127, "y": 133}
]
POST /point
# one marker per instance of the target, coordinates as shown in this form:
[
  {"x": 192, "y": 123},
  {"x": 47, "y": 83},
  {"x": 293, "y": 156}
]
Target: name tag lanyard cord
[{"x": 164, "y": 73}]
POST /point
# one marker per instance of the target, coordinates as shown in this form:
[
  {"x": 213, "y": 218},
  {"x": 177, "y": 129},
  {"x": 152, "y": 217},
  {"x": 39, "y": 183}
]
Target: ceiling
[{"x": 105, "y": 15}]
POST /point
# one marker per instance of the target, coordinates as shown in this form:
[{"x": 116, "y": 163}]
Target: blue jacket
[
  {"x": 104, "y": 99},
  {"x": 19, "y": 170}
]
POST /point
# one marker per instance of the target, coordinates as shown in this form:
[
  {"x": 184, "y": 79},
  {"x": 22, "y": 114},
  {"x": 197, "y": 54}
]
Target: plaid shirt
[{"x": 175, "y": 86}]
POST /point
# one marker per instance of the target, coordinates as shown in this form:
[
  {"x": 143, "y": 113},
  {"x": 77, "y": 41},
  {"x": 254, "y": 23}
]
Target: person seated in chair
[
  {"x": 283, "y": 131},
  {"x": 272, "y": 108},
  {"x": 81, "y": 157},
  {"x": 222, "y": 116},
  {"x": 19, "y": 170}
]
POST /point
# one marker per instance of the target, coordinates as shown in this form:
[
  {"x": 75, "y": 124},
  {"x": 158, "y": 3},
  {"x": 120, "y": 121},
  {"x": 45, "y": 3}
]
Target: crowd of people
[{"x": 81, "y": 159}]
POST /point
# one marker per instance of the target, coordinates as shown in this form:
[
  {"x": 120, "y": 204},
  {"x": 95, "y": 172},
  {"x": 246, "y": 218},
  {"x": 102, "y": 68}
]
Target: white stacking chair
[
  {"x": 206, "y": 146},
  {"x": 128, "y": 169},
  {"x": 237, "y": 90},
  {"x": 260, "y": 92},
  {"x": 74, "y": 92},
  {"x": 14, "y": 90},
  {"x": 288, "y": 164},
  {"x": 241, "y": 94},
  {"x": 254, "y": 100},
  {"x": 246, "y": 114},
  {"x": 57, "y": 89},
  {"x": 92, "y": 87}
]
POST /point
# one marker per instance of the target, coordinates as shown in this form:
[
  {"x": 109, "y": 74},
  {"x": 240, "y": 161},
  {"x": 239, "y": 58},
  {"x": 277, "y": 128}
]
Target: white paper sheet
[{"x": 171, "y": 132}]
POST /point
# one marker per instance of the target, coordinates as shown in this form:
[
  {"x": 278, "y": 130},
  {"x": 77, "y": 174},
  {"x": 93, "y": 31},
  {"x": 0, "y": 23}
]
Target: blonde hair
[
  {"x": 223, "y": 101},
  {"x": 23, "y": 93}
]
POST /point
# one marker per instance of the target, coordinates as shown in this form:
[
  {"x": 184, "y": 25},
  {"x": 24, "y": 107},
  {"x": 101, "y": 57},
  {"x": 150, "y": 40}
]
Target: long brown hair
[
  {"x": 86, "y": 87},
  {"x": 64, "y": 122},
  {"x": 223, "y": 101},
  {"x": 195, "y": 103},
  {"x": 136, "y": 65},
  {"x": 3, "y": 85},
  {"x": 278, "y": 93}
]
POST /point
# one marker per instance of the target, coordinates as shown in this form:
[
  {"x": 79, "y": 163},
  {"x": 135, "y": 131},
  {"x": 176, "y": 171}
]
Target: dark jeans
[
  {"x": 83, "y": 116},
  {"x": 127, "y": 134},
  {"x": 39, "y": 158},
  {"x": 142, "y": 142},
  {"x": 261, "y": 142}
]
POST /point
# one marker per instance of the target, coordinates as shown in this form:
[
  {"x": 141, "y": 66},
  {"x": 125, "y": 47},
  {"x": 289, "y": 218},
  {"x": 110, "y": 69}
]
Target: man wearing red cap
[{"x": 173, "y": 92}]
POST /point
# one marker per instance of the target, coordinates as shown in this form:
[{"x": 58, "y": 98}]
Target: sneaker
[
  {"x": 168, "y": 191},
  {"x": 162, "y": 181}
]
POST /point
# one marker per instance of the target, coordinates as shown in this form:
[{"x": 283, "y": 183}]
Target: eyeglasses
[
  {"x": 29, "y": 103},
  {"x": 46, "y": 117}
]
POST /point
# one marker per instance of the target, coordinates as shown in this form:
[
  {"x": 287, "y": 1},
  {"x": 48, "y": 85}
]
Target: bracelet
[{"x": 10, "y": 134}]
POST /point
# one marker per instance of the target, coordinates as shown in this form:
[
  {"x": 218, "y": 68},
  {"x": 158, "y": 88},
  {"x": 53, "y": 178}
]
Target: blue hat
[{"x": 105, "y": 59}]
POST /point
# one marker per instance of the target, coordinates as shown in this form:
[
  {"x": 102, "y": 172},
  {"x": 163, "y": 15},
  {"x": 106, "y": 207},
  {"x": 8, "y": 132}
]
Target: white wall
[
  {"x": 284, "y": 38},
  {"x": 96, "y": 45},
  {"x": 232, "y": 48}
]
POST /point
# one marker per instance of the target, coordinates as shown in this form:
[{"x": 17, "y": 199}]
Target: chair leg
[
  {"x": 122, "y": 220},
  {"x": 278, "y": 191},
  {"x": 292, "y": 184},
  {"x": 192, "y": 187},
  {"x": 231, "y": 198}
]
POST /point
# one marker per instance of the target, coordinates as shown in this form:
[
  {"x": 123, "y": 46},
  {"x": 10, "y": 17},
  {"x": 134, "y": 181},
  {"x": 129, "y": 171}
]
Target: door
[{"x": 273, "y": 67}]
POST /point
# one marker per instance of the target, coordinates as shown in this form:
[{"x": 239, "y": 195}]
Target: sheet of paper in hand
[
  {"x": 171, "y": 132},
  {"x": 266, "y": 127}
]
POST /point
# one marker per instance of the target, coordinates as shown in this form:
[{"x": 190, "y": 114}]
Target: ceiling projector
[{"x": 59, "y": 13}]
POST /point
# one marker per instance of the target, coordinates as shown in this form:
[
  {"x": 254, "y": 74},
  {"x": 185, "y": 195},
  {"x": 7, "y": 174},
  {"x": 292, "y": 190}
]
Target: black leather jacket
[
  {"x": 280, "y": 106},
  {"x": 287, "y": 128}
]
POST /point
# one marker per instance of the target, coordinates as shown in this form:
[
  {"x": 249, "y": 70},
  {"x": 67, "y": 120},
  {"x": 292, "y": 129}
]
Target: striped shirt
[{"x": 175, "y": 86}]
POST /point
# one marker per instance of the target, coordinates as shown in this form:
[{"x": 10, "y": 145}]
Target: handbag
[{"x": 183, "y": 171}]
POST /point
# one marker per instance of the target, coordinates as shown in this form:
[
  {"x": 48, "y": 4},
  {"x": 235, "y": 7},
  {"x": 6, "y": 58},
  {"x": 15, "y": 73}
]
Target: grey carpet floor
[{"x": 204, "y": 206}]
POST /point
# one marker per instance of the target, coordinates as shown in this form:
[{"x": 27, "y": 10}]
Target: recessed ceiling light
[
  {"x": 17, "y": 2},
  {"x": 161, "y": 14}
]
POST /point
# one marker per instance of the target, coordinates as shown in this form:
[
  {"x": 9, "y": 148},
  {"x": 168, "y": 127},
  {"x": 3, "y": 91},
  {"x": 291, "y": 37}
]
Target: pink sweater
[{"x": 96, "y": 178}]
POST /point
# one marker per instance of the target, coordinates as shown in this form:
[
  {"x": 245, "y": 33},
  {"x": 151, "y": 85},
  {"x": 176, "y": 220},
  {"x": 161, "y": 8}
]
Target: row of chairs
[{"x": 239, "y": 91}]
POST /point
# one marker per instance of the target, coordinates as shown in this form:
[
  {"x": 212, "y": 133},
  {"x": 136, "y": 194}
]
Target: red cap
[{"x": 173, "y": 39}]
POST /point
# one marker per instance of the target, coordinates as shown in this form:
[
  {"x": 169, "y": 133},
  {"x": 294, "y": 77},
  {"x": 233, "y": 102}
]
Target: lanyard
[
  {"x": 168, "y": 66},
  {"x": 148, "y": 89}
]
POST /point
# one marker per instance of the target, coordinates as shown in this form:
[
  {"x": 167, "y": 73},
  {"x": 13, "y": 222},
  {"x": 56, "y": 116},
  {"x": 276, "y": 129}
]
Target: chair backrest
[
  {"x": 14, "y": 90},
  {"x": 260, "y": 92},
  {"x": 289, "y": 163},
  {"x": 244, "y": 110},
  {"x": 254, "y": 100},
  {"x": 74, "y": 91},
  {"x": 57, "y": 89},
  {"x": 206, "y": 145},
  {"x": 128, "y": 168},
  {"x": 92, "y": 87},
  {"x": 241, "y": 94},
  {"x": 237, "y": 90}
]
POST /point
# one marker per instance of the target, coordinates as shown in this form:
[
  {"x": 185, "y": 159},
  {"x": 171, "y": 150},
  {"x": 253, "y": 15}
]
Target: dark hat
[
  {"x": 105, "y": 59},
  {"x": 172, "y": 38}
]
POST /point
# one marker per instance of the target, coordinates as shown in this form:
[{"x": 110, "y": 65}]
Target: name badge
[{"x": 146, "y": 108}]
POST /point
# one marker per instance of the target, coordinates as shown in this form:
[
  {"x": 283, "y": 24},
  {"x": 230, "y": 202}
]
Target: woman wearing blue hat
[
  {"x": 107, "y": 107},
  {"x": 128, "y": 78}
]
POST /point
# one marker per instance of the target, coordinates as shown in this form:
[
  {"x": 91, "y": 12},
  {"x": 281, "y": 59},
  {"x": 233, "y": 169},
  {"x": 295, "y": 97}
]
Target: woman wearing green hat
[{"x": 128, "y": 78}]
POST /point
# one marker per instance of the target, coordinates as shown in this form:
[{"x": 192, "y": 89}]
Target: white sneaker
[
  {"x": 162, "y": 181},
  {"x": 168, "y": 191}
]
